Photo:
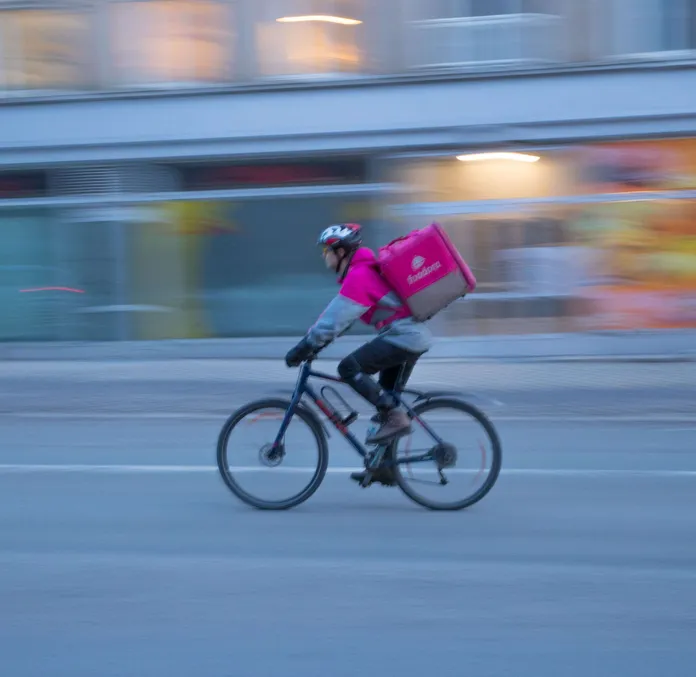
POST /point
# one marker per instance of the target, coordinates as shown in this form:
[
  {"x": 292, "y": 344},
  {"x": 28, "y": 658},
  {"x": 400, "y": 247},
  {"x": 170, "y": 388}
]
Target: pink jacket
[{"x": 366, "y": 295}]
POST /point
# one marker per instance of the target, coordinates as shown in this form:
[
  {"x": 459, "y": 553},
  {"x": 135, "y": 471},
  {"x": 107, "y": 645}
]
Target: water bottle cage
[
  {"x": 344, "y": 420},
  {"x": 350, "y": 419}
]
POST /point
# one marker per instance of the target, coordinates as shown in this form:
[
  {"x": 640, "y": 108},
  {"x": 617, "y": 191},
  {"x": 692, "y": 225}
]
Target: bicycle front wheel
[
  {"x": 261, "y": 475},
  {"x": 453, "y": 475}
]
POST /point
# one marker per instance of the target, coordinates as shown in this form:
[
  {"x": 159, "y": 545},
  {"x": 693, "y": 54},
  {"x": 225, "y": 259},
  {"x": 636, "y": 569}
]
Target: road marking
[
  {"x": 476, "y": 569},
  {"x": 687, "y": 419},
  {"x": 9, "y": 468}
]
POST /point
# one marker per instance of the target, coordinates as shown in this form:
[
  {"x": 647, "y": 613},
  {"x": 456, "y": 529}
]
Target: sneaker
[
  {"x": 397, "y": 424},
  {"x": 382, "y": 475}
]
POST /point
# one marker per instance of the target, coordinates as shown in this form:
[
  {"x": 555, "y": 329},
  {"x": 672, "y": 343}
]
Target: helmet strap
[{"x": 348, "y": 258}]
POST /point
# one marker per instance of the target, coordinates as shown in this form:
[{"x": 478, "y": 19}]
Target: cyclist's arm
[{"x": 338, "y": 318}]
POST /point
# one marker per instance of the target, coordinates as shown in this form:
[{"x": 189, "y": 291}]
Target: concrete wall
[{"x": 399, "y": 114}]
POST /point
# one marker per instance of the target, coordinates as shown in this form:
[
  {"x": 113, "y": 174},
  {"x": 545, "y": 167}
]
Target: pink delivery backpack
[{"x": 426, "y": 271}]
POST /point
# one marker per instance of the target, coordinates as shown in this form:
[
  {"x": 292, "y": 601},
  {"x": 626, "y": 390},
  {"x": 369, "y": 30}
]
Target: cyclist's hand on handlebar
[{"x": 301, "y": 352}]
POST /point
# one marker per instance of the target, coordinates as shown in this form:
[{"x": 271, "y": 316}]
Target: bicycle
[{"x": 442, "y": 454}]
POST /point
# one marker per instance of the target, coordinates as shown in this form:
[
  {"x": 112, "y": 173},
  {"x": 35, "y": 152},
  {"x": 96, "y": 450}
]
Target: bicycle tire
[
  {"x": 453, "y": 403},
  {"x": 314, "y": 425}
]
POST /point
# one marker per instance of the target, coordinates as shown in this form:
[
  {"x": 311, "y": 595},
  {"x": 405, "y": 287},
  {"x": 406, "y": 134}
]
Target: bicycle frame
[{"x": 302, "y": 387}]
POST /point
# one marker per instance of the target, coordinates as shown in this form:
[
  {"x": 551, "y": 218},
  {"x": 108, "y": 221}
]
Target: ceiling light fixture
[
  {"x": 515, "y": 157},
  {"x": 320, "y": 17}
]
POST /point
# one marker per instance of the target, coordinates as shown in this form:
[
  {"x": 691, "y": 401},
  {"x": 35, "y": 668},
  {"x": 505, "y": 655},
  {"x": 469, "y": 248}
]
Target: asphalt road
[{"x": 123, "y": 553}]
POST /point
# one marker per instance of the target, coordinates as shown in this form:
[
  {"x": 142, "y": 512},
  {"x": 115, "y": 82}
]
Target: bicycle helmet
[{"x": 346, "y": 236}]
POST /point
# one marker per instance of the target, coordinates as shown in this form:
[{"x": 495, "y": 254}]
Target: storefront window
[
  {"x": 37, "y": 294},
  {"x": 310, "y": 37},
  {"x": 633, "y": 166},
  {"x": 642, "y": 272},
  {"x": 484, "y": 176},
  {"x": 89, "y": 245},
  {"x": 614, "y": 265},
  {"x": 613, "y": 250},
  {"x": 527, "y": 278},
  {"x": 226, "y": 269},
  {"x": 171, "y": 41},
  {"x": 62, "y": 275},
  {"x": 43, "y": 49}
]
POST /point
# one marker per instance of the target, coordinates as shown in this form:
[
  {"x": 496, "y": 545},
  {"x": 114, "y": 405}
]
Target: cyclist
[{"x": 401, "y": 341}]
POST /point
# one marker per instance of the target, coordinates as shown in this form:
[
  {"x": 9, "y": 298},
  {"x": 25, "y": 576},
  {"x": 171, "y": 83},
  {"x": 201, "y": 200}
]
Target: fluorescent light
[
  {"x": 320, "y": 17},
  {"x": 515, "y": 157}
]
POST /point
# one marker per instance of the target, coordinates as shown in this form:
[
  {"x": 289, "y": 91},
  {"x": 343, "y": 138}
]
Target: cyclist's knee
[{"x": 349, "y": 368}]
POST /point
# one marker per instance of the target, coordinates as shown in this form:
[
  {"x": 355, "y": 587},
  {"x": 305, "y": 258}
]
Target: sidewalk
[
  {"x": 172, "y": 388},
  {"x": 491, "y": 375},
  {"x": 664, "y": 345}
]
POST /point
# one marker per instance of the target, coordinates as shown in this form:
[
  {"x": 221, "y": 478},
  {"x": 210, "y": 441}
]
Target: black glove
[{"x": 301, "y": 352}]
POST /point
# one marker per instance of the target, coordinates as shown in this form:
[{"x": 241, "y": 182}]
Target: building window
[
  {"x": 476, "y": 33},
  {"x": 644, "y": 27},
  {"x": 171, "y": 41},
  {"x": 677, "y": 28},
  {"x": 43, "y": 49},
  {"x": 499, "y": 7},
  {"x": 457, "y": 9},
  {"x": 310, "y": 37}
]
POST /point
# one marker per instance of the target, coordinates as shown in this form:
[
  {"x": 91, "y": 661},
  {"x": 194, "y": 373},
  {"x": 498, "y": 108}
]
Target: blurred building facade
[{"x": 167, "y": 164}]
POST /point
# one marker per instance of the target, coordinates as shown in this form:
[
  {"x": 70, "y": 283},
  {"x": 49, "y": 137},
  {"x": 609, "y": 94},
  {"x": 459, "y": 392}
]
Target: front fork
[{"x": 278, "y": 444}]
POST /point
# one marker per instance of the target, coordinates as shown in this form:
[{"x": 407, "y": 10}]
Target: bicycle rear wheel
[
  {"x": 470, "y": 459},
  {"x": 303, "y": 456}
]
